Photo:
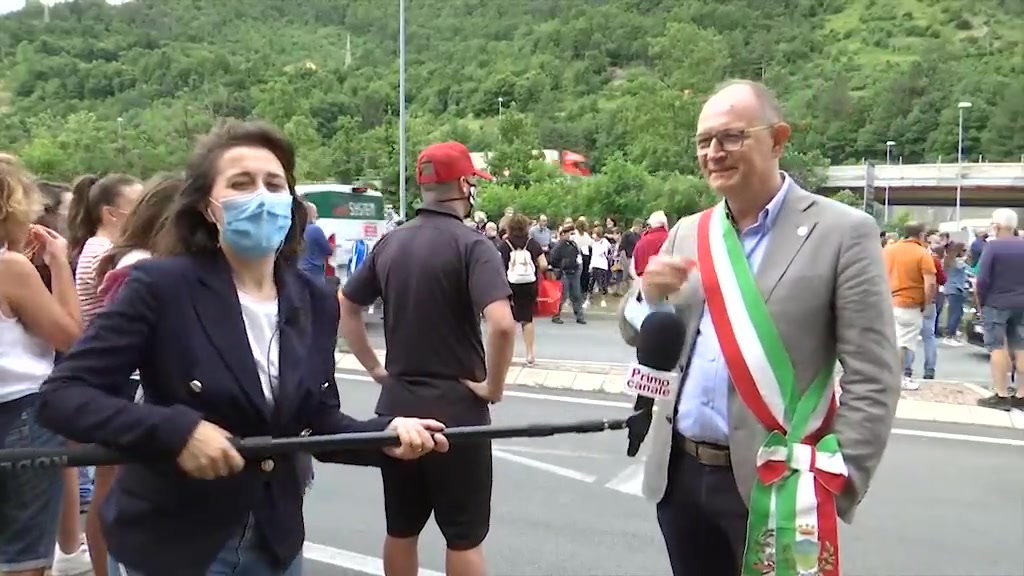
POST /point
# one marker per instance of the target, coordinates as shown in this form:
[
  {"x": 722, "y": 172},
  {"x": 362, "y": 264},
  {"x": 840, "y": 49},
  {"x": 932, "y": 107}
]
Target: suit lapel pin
[{"x": 801, "y": 231}]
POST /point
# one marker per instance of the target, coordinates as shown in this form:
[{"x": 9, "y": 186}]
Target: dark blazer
[{"x": 179, "y": 322}]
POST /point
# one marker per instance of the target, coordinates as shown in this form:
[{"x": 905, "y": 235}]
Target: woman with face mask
[{"x": 230, "y": 339}]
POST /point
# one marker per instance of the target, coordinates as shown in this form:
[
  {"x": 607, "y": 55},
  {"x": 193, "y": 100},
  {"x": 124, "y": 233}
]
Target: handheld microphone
[{"x": 658, "y": 349}]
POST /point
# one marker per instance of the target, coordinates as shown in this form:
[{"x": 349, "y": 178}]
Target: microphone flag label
[{"x": 650, "y": 383}]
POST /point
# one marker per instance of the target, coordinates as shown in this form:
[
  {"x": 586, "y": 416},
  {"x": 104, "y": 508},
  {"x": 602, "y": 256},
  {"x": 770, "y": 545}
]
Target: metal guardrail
[{"x": 993, "y": 175}]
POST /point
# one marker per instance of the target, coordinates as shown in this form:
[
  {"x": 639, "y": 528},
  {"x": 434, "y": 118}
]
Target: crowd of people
[
  {"x": 933, "y": 279},
  {"x": 591, "y": 261},
  {"x": 164, "y": 318},
  {"x": 220, "y": 336}
]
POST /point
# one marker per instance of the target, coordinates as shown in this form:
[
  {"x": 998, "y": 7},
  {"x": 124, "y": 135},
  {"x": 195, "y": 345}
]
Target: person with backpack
[{"x": 524, "y": 264}]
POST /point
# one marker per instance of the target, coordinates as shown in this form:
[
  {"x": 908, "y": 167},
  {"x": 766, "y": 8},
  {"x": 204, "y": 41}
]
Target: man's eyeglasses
[{"x": 728, "y": 140}]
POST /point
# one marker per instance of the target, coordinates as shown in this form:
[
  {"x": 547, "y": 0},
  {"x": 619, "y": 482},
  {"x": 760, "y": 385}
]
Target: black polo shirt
[{"x": 435, "y": 275}]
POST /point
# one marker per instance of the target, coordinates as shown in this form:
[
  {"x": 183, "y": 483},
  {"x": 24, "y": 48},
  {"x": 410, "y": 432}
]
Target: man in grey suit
[{"x": 774, "y": 286}]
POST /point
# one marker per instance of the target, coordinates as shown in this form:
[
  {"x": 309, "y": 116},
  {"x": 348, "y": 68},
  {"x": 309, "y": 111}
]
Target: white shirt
[
  {"x": 599, "y": 254},
  {"x": 584, "y": 241},
  {"x": 260, "y": 318},
  {"x": 132, "y": 257},
  {"x": 25, "y": 359}
]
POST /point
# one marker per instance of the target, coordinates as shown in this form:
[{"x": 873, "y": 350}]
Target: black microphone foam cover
[{"x": 661, "y": 340}]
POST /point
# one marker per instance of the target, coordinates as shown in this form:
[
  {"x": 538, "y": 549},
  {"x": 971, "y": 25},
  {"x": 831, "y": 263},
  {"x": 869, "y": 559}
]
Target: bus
[{"x": 347, "y": 213}]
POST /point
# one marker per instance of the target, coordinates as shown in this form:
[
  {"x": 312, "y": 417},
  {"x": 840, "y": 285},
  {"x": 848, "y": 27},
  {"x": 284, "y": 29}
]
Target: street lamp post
[
  {"x": 888, "y": 157},
  {"x": 501, "y": 105},
  {"x": 120, "y": 141},
  {"x": 401, "y": 109},
  {"x": 959, "y": 159}
]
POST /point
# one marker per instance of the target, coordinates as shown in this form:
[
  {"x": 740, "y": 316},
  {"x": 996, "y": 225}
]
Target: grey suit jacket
[{"x": 828, "y": 294}]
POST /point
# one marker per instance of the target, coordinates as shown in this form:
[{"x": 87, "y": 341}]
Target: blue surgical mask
[{"x": 256, "y": 224}]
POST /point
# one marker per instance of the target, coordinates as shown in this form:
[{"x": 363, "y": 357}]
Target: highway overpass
[{"x": 982, "y": 184}]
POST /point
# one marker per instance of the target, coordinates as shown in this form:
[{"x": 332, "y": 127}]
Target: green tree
[
  {"x": 849, "y": 198},
  {"x": 619, "y": 81}
]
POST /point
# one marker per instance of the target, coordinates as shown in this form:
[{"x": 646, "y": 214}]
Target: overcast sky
[{"x": 12, "y": 5}]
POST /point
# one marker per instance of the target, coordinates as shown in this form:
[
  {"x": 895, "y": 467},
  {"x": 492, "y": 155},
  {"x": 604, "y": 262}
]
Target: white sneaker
[
  {"x": 910, "y": 384},
  {"x": 75, "y": 564}
]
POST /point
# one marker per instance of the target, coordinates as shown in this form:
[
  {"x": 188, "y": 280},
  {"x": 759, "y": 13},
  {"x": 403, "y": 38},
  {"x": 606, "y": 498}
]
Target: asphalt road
[
  {"x": 946, "y": 501},
  {"x": 599, "y": 341}
]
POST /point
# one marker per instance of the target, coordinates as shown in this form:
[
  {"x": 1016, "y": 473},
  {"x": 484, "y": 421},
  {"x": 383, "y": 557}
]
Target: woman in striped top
[{"x": 94, "y": 222}]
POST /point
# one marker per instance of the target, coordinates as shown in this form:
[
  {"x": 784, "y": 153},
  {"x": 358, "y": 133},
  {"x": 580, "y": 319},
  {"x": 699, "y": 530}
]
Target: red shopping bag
[{"x": 549, "y": 298}]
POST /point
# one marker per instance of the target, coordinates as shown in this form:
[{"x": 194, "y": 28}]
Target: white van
[{"x": 348, "y": 213}]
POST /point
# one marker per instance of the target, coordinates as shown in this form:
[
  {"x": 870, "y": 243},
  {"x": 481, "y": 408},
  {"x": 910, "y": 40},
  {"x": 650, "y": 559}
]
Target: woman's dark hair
[
  {"x": 582, "y": 225},
  {"x": 518, "y": 228},
  {"x": 188, "y": 230},
  {"x": 953, "y": 251},
  {"x": 53, "y": 196},
  {"x": 145, "y": 222},
  {"x": 89, "y": 196}
]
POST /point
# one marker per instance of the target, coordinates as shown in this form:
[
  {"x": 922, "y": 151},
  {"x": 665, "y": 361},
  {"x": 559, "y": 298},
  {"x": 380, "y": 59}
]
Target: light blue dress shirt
[{"x": 702, "y": 406}]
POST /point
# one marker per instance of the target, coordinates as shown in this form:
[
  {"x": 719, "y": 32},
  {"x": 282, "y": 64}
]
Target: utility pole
[
  {"x": 401, "y": 109},
  {"x": 348, "y": 50},
  {"x": 959, "y": 160}
]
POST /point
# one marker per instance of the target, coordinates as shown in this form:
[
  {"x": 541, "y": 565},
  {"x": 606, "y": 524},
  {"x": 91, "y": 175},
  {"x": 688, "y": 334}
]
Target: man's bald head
[
  {"x": 740, "y": 138},
  {"x": 748, "y": 93}
]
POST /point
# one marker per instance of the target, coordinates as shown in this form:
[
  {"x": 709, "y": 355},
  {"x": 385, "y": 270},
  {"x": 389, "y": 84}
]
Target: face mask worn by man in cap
[{"x": 449, "y": 163}]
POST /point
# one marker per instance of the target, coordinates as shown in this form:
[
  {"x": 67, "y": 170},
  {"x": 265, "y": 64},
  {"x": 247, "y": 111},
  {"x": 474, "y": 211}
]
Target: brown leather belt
[{"x": 706, "y": 454}]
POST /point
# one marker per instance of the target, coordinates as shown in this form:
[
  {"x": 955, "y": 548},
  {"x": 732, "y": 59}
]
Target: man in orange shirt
[{"x": 911, "y": 271}]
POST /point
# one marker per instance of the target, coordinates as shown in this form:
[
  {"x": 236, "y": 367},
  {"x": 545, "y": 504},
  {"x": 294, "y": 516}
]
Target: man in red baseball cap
[
  {"x": 436, "y": 278},
  {"x": 445, "y": 173}
]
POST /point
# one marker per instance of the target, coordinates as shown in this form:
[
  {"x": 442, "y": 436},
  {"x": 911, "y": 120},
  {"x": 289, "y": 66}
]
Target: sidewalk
[{"x": 936, "y": 401}]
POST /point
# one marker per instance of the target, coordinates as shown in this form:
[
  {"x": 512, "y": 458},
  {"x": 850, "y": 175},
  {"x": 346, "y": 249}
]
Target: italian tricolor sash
[{"x": 793, "y": 527}]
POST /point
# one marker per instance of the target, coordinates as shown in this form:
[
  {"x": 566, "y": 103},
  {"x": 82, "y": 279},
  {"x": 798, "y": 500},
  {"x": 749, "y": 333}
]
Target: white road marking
[
  {"x": 513, "y": 394},
  {"x": 552, "y": 451},
  {"x": 351, "y": 560},
  {"x": 981, "y": 391},
  {"x": 554, "y": 361},
  {"x": 962, "y": 437},
  {"x": 569, "y": 399},
  {"x": 573, "y": 362},
  {"x": 550, "y": 468},
  {"x": 629, "y": 481},
  {"x": 613, "y": 404}
]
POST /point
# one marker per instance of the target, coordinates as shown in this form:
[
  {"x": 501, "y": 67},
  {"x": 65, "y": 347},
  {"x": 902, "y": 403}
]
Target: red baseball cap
[{"x": 448, "y": 161}]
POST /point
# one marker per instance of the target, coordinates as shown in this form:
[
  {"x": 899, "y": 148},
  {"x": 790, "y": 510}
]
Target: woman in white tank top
[{"x": 33, "y": 324}]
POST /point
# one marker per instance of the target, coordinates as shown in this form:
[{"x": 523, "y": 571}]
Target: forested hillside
[{"x": 621, "y": 81}]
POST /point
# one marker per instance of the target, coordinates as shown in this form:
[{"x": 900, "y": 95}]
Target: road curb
[{"x": 593, "y": 377}]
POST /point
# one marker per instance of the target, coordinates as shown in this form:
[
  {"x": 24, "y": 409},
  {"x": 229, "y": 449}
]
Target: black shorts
[{"x": 455, "y": 486}]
